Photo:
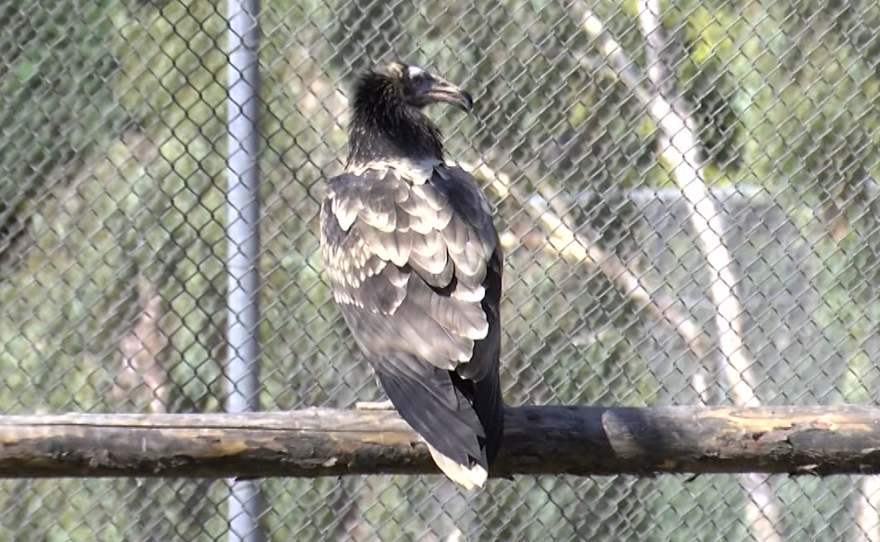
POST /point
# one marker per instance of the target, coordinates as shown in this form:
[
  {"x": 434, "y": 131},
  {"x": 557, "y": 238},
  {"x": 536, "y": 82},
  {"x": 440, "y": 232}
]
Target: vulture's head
[
  {"x": 388, "y": 121},
  {"x": 410, "y": 85}
]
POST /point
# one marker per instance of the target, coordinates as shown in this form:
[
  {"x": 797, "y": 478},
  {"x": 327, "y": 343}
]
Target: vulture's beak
[{"x": 441, "y": 90}]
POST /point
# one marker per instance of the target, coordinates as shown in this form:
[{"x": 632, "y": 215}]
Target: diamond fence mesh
[{"x": 643, "y": 157}]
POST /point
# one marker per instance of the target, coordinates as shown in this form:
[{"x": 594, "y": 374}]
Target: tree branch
[
  {"x": 680, "y": 147},
  {"x": 577, "y": 248},
  {"x": 681, "y": 151},
  {"x": 538, "y": 440},
  {"x": 142, "y": 350}
]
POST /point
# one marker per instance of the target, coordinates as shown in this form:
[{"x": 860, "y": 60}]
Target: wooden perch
[{"x": 539, "y": 440}]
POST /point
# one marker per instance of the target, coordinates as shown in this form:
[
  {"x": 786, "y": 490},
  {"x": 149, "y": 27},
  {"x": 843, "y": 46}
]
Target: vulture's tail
[{"x": 460, "y": 421}]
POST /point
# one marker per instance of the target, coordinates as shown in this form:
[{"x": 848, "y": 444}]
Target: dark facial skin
[{"x": 421, "y": 88}]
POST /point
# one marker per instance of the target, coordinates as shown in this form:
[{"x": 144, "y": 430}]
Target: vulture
[{"x": 414, "y": 264}]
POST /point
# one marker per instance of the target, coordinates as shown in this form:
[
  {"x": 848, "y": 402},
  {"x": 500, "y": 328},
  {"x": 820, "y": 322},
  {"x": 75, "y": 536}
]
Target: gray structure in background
[{"x": 243, "y": 210}]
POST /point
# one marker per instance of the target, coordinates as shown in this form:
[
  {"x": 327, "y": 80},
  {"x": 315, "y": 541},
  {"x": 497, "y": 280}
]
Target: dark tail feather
[
  {"x": 437, "y": 408},
  {"x": 489, "y": 405}
]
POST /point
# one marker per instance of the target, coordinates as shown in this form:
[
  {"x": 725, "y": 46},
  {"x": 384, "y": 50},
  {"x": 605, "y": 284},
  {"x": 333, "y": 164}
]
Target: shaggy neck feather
[{"x": 384, "y": 127}]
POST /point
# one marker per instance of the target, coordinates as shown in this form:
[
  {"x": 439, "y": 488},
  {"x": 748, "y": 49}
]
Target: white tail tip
[{"x": 468, "y": 478}]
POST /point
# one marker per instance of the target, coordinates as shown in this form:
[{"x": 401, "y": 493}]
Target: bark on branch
[{"x": 538, "y": 440}]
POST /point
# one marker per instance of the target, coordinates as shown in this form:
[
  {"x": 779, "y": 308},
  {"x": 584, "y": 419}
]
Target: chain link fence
[{"x": 643, "y": 157}]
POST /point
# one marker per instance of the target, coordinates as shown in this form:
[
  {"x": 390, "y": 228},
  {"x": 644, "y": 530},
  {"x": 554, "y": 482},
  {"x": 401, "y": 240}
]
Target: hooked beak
[{"x": 442, "y": 90}]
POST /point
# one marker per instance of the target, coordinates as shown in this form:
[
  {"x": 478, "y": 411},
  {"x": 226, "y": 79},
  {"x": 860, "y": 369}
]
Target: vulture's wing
[{"x": 416, "y": 271}]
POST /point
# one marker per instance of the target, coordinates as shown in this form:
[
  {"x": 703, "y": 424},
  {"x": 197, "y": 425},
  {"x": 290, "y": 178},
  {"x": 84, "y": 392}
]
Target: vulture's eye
[
  {"x": 418, "y": 79},
  {"x": 417, "y": 76}
]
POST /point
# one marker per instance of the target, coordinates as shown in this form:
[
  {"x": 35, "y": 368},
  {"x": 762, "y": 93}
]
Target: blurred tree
[{"x": 57, "y": 107}]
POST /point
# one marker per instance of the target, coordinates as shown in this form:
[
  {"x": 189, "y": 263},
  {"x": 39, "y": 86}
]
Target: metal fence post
[{"x": 243, "y": 208}]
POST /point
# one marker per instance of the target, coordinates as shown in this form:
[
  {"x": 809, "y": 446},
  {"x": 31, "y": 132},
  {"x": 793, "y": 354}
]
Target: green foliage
[{"x": 56, "y": 105}]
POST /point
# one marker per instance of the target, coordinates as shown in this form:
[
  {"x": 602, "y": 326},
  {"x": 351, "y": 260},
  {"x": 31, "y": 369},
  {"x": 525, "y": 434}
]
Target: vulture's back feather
[{"x": 415, "y": 266}]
